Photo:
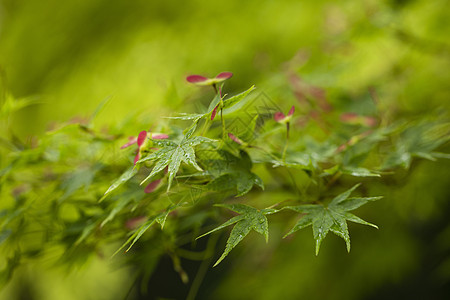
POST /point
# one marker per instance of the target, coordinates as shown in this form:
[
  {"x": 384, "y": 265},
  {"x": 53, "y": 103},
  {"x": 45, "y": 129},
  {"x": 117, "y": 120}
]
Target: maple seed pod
[
  {"x": 214, "y": 112},
  {"x": 132, "y": 140},
  {"x": 159, "y": 136},
  {"x": 141, "y": 138},
  {"x": 279, "y": 116},
  {"x": 291, "y": 111},
  {"x": 204, "y": 81},
  {"x": 282, "y": 118},
  {"x": 356, "y": 119},
  {"x": 152, "y": 186},
  {"x": 135, "y": 222},
  {"x": 224, "y": 75},
  {"x": 196, "y": 79},
  {"x": 235, "y": 138},
  {"x": 141, "y": 142}
]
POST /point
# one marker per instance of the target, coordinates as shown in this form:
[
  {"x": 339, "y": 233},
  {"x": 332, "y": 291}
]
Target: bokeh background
[{"x": 70, "y": 55}]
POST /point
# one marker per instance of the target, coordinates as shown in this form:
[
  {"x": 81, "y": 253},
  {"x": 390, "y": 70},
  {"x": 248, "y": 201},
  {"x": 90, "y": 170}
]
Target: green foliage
[
  {"x": 381, "y": 121},
  {"x": 230, "y": 102},
  {"x": 249, "y": 218},
  {"x": 332, "y": 217},
  {"x": 233, "y": 173},
  {"x": 11, "y": 105},
  {"x": 172, "y": 154},
  {"x": 418, "y": 140},
  {"x": 159, "y": 218},
  {"x": 127, "y": 175},
  {"x": 222, "y": 163}
]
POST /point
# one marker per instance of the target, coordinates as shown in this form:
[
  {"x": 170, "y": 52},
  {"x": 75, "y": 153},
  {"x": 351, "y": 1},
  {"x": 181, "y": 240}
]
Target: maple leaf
[
  {"x": 217, "y": 103},
  {"x": 332, "y": 218},
  {"x": 419, "y": 140},
  {"x": 127, "y": 175},
  {"x": 158, "y": 218},
  {"x": 233, "y": 172},
  {"x": 249, "y": 218},
  {"x": 172, "y": 154}
]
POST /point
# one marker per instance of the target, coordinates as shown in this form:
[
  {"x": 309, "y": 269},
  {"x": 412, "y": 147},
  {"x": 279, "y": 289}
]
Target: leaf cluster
[{"x": 86, "y": 195}]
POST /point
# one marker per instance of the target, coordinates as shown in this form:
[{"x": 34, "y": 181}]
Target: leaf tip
[
  {"x": 356, "y": 186},
  {"x": 318, "y": 242},
  {"x": 102, "y": 198},
  {"x": 219, "y": 260}
]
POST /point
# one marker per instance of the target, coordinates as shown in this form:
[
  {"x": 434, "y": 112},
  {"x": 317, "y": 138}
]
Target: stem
[
  {"x": 178, "y": 268},
  {"x": 293, "y": 182},
  {"x": 283, "y": 157},
  {"x": 197, "y": 282},
  {"x": 287, "y": 130},
  {"x": 223, "y": 122},
  {"x": 135, "y": 280},
  {"x": 334, "y": 178},
  {"x": 205, "y": 126},
  {"x": 265, "y": 151}
]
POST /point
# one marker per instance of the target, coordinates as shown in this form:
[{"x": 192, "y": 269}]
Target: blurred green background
[{"x": 72, "y": 54}]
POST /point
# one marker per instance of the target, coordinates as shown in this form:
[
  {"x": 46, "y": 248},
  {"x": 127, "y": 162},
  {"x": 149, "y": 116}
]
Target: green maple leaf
[
  {"x": 332, "y": 218},
  {"x": 232, "y": 101},
  {"x": 234, "y": 173},
  {"x": 172, "y": 154},
  {"x": 419, "y": 140},
  {"x": 127, "y": 175},
  {"x": 249, "y": 218},
  {"x": 216, "y": 101},
  {"x": 159, "y": 218}
]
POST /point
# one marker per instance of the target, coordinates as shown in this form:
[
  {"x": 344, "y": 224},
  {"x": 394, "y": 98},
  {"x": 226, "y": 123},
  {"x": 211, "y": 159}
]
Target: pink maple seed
[
  {"x": 134, "y": 223},
  {"x": 141, "y": 138},
  {"x": 279, "y": 116},
  {"x": 137, "y": 157},
  {"x": 291, "y": 111},
  {"x": 214, "y": 112},
  {"x": 349, "y": 117},
  {"x": 370, "y": 121},
  {"x": 132, "y": 140},
  {"x": 224, "y": 75},
  {"x": 196, "y": 78},
  {"x": 159, "y": 136},
  {"x": 152, "y": 186},
  {"x": 234, "y": 138},
  {"x": 353, "y": 118}
]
